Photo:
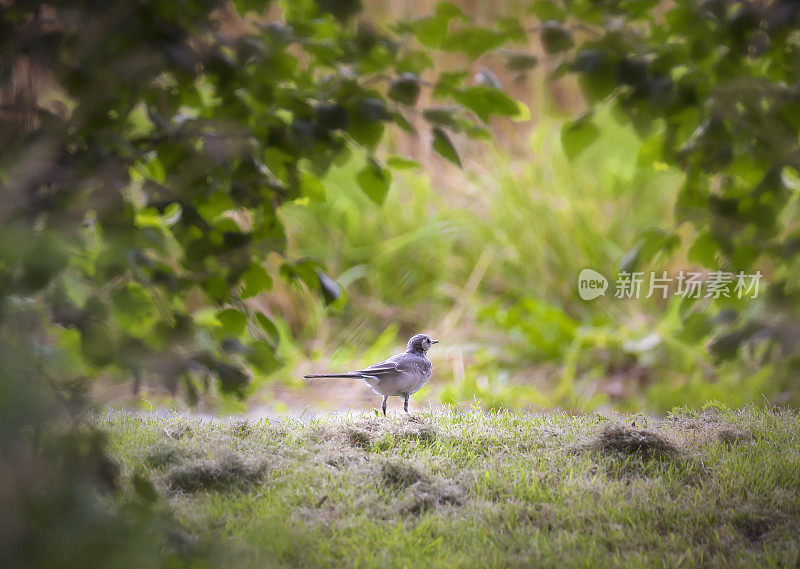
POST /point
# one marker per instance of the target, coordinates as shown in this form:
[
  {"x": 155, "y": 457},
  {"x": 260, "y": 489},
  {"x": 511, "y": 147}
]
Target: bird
[{"x": 400, "y": 375}]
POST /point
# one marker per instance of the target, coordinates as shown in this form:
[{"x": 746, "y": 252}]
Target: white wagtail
[{"x": 399, "y": 375}]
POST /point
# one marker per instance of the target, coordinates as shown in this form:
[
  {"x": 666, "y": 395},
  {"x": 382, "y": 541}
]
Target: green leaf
[
  {"x": 726, "y": 346},
  {"x": 448, "y": 10},
  {"x": 269, "y": 328},
  {"x": 233, "y": 323},
  {"x": 485, "y": 101},
  {"x": 216, "y": 287},
  {"x": 790, "y": 178},
  {"x": 311, "y": 187},
  {"x": 521, "y": 61},
  {"x": 577, "y": 135},
  {"x": 523, "y": 113},
  {"x": 342, "y": 10},
  {"x": 262, "y": 356},
  {"x": 476, "y": 132},
  {"x": 546, "y": 10},
  {"x": 231, "y": 379},
  {"x": 474, "y": 41},
  {"x": 652, "y": 242},
  {"x": 375, "y": 181},
  {"x": 303, "y": 270},
  {"x": 513, "y": 28},
  {"x": 415, "y": 61},
  {"x": 555, "y": 37},
  {"x": 401, "y": 163},
  {"x": 432, "y": 31},
  {"x": 256, "y": 280},
  {"x": 133, "y": 307},
  {"x": 404, "y": 124},
  {"x": 218, "y": 203},
  {"x": 442, "y": 116},
  {"x": 244, "y": 6},
  {"x": 367, "y": 127},
  {"x": 405, "y": 89},
  {"x": 42, "y": 262},
  {"x": 651, "y": 151},
  {"x": 444, "y": 146},
  {"x": 98, "y": 345},
  {"x": 696, "y": 327},
  {"x": 704, "y": 250},
  {"x": 449, "y": 82},
  {"x": 154, "y": 170}
]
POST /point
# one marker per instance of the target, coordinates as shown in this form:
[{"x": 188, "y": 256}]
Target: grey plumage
[{"x": 400, "y": 375}]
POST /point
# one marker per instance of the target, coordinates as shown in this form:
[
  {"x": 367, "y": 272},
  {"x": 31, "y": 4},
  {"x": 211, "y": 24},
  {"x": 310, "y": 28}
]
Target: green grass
[{"x": 448, "y": 488}]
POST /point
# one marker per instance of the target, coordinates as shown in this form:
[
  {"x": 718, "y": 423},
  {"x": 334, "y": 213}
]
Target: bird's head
[{"x": 420, "y": 343}]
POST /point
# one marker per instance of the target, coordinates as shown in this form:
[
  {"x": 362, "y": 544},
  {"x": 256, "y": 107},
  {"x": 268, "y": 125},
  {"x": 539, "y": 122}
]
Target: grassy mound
[{"x": 496, "y": 489}]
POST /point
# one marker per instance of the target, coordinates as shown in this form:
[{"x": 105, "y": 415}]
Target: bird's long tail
[{"x": 345, "y": 375}]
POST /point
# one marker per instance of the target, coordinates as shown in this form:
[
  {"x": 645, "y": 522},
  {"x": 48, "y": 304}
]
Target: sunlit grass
[{"x": 447, "y": 488}]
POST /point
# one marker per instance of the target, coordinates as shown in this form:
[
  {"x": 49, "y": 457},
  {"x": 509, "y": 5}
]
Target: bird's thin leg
[
  {"x": 405, "y": 404},
  {"x": 383, "y": 406}
]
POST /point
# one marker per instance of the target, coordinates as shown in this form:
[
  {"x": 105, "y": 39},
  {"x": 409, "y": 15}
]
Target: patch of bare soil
[
  {"x": 427, "y": 495},
  {"x": 165, "y": 454},
  {"x": 733, "y": 436},
  {"x": 631, "y": 441},
  {"x": 227, "y": 470},
  {"x": 399, "y": 474},
  {"x": 755, "y": 526}
]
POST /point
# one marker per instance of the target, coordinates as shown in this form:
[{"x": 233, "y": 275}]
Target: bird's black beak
[{"x": 434, "y": 341}]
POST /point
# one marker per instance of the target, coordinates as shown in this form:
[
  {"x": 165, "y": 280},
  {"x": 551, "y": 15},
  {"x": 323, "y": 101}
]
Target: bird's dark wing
[
  {"x": 394, "y": 364},
  {"x": 400, "y": 363}
]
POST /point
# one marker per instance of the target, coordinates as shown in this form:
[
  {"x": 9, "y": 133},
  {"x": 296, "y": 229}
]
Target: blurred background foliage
[
  {"x": 491, "y": 263},
  {"x": 202, "y": 200},
  {"x": 520, "y": 142},
  {"x": 669, "y": 166}
]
